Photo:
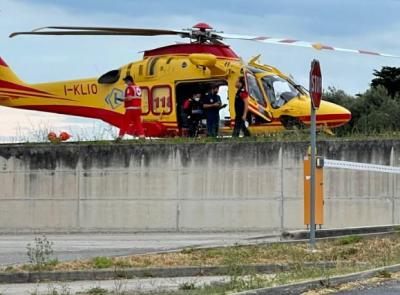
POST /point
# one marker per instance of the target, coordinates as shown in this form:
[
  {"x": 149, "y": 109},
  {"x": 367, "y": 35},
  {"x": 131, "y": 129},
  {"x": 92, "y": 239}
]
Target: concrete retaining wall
[{"x": 188, "y": 187}]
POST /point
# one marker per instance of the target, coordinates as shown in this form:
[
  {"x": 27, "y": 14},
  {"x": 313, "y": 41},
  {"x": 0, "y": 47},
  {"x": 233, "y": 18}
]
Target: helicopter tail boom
[{"x": 8, "y": 75}]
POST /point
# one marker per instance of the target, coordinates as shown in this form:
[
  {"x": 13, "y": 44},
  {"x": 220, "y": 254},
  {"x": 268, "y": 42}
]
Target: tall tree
[{"x": 388, "y": 77}]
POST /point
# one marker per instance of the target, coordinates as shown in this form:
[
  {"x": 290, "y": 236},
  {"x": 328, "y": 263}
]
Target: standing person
[
  {"x": 194, "y": 109},
  {"x": 241, "y": 108},
  {"x": 183, "y": 117},
  {"x": 133, "y": 109},
  {"x": 212, "y": 104}
]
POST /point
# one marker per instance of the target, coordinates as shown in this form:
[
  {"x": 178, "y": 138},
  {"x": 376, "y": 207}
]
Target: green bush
[
  {"x": 373, "y": 112},
  {"x": 101, "y": 262}
]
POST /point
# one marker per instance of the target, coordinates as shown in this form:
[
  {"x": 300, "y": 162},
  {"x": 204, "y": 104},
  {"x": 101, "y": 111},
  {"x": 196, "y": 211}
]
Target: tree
[
  {"x": 389, "y": 78},
  {"x": 374, "y": 111}
]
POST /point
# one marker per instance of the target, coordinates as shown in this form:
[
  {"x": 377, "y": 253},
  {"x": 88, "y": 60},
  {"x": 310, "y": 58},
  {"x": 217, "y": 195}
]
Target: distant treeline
[{"x": 375, "y": 111}]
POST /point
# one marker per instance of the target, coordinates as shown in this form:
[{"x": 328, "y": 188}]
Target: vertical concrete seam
[
  {"x": 281, "y": 184},
  {"x": 392, "y": 183},
  {"x": 178, "y": 189},
  {"x": 78, "y": 187}
]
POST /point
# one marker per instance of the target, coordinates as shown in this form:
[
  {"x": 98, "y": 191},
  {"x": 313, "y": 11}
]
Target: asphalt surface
[
  {"x": 136, "y": 286},
  {"x": 83, "y": 246},
  {"x": 386, "y": 288}
]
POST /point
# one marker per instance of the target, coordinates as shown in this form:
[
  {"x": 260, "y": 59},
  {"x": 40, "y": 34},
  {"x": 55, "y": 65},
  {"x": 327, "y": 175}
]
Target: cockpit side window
[
  {"x": 110, "y": 77},
  {"x": 152, "y": 66},
  {"x": 254, "y": 90},
  {"x": 279, "y": 90}
]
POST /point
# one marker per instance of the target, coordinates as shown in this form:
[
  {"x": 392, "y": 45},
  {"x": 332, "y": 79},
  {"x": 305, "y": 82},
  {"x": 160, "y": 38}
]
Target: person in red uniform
[
  {"x": 241, "y": 108},
  {"x": 133, "y": 110}
]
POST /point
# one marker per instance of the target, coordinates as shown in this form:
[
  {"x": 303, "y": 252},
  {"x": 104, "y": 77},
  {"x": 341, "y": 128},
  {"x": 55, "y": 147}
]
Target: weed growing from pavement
[
  {"x": 40, "y": 254},
  {"x": 52, "y": 289},
  {"x": 187, "y": 286},
  {"x": 119, "y": 287},
  {"x": 97, "y": 291},
  {"x": 58, "y": 289}
]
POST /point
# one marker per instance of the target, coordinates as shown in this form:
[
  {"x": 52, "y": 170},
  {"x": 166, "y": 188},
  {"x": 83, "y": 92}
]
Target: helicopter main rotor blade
[
  {"x": 61, "y": 30},
  {"x": 305, "y": 44},
  {"x": 214, "y": 37}
]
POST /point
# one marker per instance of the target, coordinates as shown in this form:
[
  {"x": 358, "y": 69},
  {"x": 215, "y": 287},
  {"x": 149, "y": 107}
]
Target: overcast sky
[{"x": 359, "y": 24}]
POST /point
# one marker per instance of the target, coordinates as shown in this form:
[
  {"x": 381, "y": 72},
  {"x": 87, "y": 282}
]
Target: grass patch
[
  {"x": 345, "y": 255},
  {"x": 256, "y": 281},
  {"x": 283, "y": 136},
  {"x": 384, "y": 274},
  {"x": 46, "y": 266},
  {"x": 187, "y": 286},
  {"x": 378, "y": 251},
  {"x": 101, "y": 262},
  {"x": 97, "y": 291},
  {"x": 349, "y": 240}
]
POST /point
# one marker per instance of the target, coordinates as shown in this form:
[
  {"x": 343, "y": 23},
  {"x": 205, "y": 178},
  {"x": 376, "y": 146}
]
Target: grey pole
[{"x": 312, "y": 180}]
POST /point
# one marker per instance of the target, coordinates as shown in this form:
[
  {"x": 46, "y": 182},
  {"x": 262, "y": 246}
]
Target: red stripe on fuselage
[
  {"x": 34, "y": 95},
  {"x": 110, "y": 117},
  {"x": 327, "y": 117},
  {"x": 10, "y": 85}
]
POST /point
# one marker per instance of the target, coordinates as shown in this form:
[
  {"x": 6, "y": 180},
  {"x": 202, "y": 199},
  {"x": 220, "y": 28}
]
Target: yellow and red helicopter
[{"x": 168, "y": 75}]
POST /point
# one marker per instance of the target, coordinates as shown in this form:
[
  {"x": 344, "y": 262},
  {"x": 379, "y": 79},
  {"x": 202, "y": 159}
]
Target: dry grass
[
  {"x": 376, "y": 281},
  {"x": 350, "y": 254},
  {"x": 374, "y": 252}
]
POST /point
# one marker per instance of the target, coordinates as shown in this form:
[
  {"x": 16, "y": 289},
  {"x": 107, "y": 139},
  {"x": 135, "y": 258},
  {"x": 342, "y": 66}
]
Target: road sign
[
  {"x": 315, "y": 94},
  {"x": 315, "y": 84}
]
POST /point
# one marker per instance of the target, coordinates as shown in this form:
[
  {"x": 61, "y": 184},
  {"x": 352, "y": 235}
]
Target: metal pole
[{"x": 312, "y": 181}]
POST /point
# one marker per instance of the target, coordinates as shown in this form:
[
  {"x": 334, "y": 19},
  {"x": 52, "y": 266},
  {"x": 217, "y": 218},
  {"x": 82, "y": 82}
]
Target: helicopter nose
[{"x": 332, "y": 115}]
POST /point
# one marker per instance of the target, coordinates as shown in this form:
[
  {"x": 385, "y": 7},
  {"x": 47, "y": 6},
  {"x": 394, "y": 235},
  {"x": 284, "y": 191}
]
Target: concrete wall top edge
[{"x": 153, "y": 155}]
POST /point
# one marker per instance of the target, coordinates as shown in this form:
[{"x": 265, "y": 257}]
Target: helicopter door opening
[{"x": 185, "y": 90}]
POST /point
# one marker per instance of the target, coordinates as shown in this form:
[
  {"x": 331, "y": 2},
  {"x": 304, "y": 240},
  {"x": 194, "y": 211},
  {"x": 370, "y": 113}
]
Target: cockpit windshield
[
  {"x": 254, "y": 90},
  {"x": 279, "y": 90}
]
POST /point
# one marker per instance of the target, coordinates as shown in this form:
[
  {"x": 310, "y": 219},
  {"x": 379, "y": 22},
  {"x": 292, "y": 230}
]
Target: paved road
[
  {"x": 81, "y": 246},
  {"x": 135, "y": 286},
  {"x": 386, "y": 288}
]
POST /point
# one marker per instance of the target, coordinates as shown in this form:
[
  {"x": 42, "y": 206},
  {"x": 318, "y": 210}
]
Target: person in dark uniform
[
  {"x": 241, "y": 108},
  {"x": 212, "y": 104},
  {"x": 194, "y": 109}
]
